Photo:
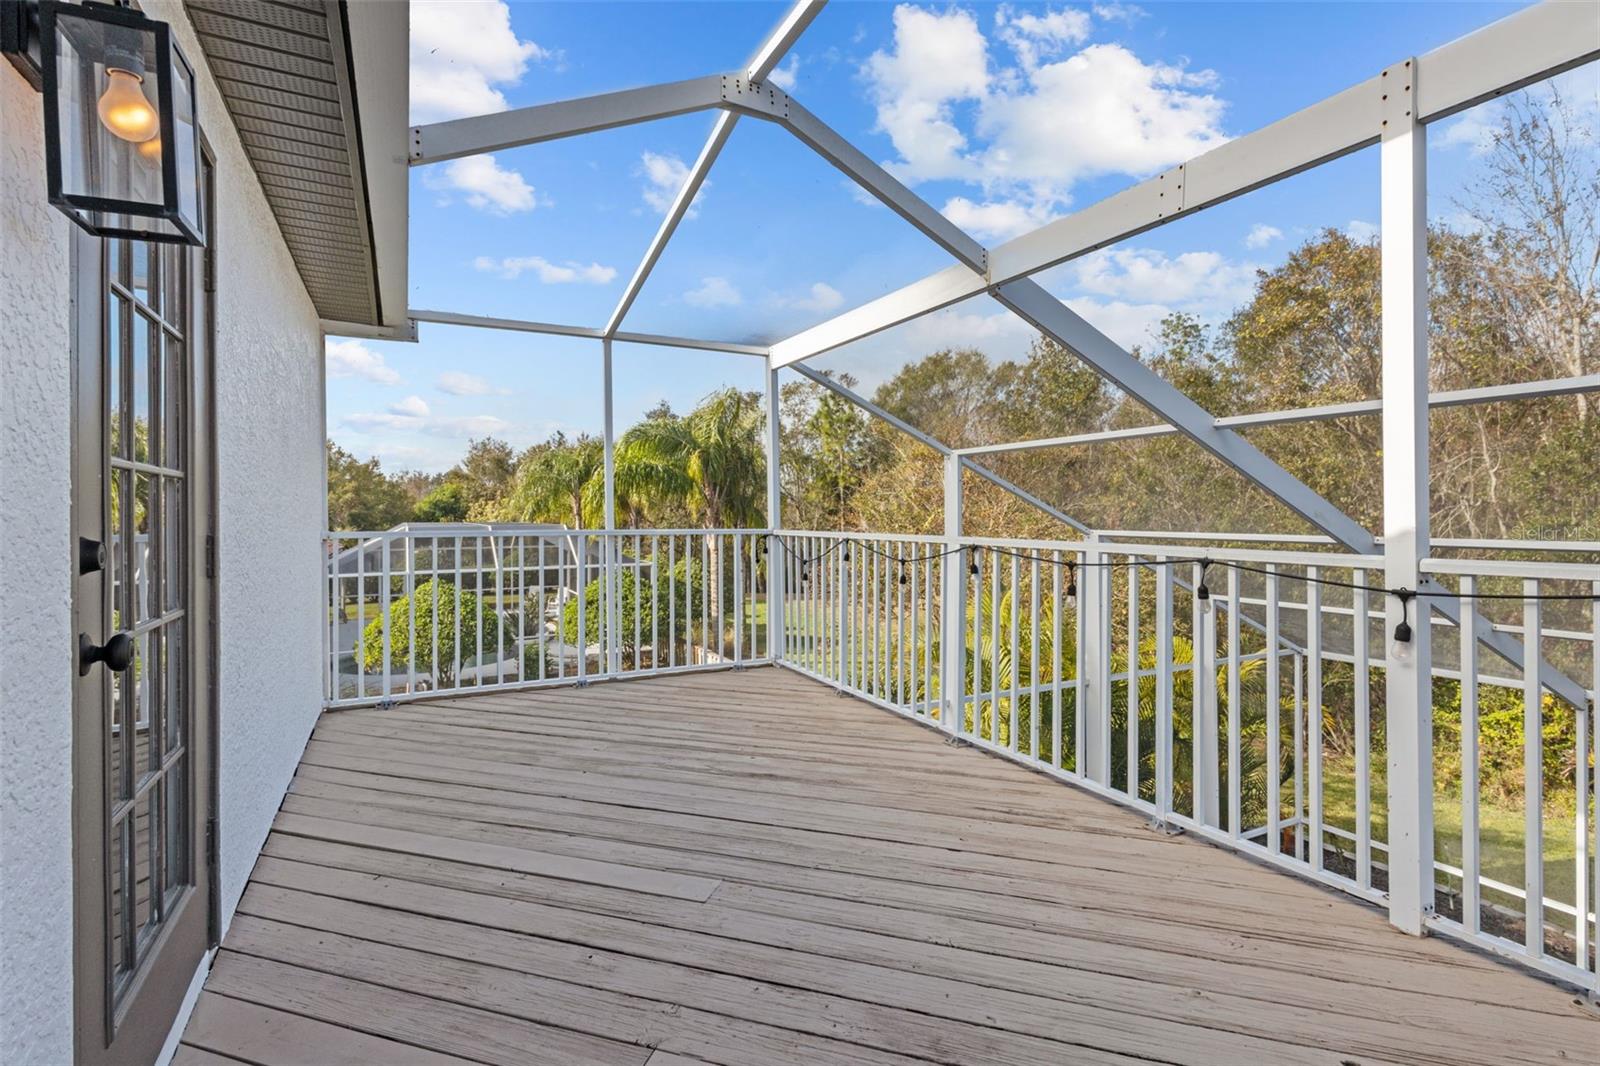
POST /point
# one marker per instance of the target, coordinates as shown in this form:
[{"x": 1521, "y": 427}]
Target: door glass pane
[
  {"x": 175, "y": 827},
  {"x": 140, "y": 386},
  {"x": 114, "y": 330},
  {"x": 140, "y": 819},
  {"x": 172, "y": 266},
  {"x": 176, "y": 688},
  {"x": 118, "y": 874},
  {"x": 139, "y": 258},
  {"x": 172, "y": 395},
  {"x": 143, "y": 559},
  {"x": 142, "y": 684},
  {"x": 172, "y": 535}
]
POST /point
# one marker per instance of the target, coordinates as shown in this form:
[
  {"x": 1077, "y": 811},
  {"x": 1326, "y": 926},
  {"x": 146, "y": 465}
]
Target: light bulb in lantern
[
  {"x": 150, "y": 152},
  {"x": 124, "y": 109}
]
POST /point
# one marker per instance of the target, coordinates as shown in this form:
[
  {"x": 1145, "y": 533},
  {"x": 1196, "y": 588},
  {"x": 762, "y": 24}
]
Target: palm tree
[
  {"x": 554, "y": 481},
  {"x": 709, "y": 462}
]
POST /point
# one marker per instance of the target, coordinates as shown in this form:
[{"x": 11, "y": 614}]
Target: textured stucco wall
[
  {"x": 268, "y": 356},
  {"x": 270, "y": 482},
  {"x": 35, "y": 591}
]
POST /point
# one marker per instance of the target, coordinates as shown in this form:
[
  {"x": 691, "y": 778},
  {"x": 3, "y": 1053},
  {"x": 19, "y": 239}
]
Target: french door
[{"x": 142, "y": 707}]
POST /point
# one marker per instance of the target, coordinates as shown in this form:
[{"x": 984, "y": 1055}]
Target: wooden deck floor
[{"x": 743, "y": 868}]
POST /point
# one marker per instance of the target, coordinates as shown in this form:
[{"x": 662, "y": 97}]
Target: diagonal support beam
[
  {"x": 1536, "y": 43},
  {"x": 1032, "y": 303},
  {"x": 772, "y": 50}
]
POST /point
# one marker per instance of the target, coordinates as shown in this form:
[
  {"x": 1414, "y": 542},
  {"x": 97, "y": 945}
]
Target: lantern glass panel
[{"x": 120, "y": 109}]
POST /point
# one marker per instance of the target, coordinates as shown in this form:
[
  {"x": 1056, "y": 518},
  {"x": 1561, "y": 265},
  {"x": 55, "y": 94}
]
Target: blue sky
[{"x": 1003, "y": 116}]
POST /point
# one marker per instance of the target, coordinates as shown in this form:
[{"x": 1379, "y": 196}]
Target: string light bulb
[
  {"x": 1201, "y": 592},
  {"x": 1403, "y": 645},
  {"x": 1072, "y": 586}
]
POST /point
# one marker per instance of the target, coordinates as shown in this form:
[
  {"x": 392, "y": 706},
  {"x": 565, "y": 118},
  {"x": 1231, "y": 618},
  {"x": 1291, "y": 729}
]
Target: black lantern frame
[{"x": 174, "y": 217}]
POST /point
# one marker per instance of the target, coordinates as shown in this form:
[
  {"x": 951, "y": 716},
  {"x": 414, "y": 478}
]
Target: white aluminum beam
[
  {"x": 439, "y": 141},
  {"x": 517, "y": 325},
  {"x": 1523, "y": 48},
  {"x": 1523, "y": 390},
  {"x": 788, "y": 31},
  {"x": 1023, "y": 494},
  {"x": 827, "y": 143},
  {"x": 1408, "y": 679}
]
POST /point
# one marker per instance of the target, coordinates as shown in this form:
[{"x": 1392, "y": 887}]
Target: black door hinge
[
  {"x": 211, "y": 556},
  {"x": 211, "y": 843}
]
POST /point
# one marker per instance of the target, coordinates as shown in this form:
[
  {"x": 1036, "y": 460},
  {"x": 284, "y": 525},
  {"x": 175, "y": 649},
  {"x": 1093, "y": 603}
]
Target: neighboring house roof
[{"x": 318, "y": 92}]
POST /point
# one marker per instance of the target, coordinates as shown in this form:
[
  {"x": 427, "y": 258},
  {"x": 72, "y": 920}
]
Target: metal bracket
[
  {"x": 1397, "y": 89},
  {"x": 1169, "y": 192},
  {"x": 19, "y": 39},
  {"x": 761, "y": 99}
]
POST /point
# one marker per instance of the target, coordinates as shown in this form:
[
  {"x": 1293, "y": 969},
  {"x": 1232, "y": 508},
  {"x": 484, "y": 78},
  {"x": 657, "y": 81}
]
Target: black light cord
[{"x": 1405, "y": 595}]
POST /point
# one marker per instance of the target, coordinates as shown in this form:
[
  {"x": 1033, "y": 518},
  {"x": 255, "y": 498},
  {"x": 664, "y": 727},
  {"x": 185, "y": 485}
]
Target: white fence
[
  {"x": 424, "y": 613},
  {"x": 1236, "y": 693},
  {"x": 1225, "y": 737}
]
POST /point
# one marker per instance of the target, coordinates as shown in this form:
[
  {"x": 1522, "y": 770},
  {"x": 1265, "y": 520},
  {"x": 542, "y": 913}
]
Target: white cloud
[
  {"x": 1474, "y": 129},
  {"x": 955, "y": 328},
  {"x": 1129, "y": 324},
  {"x": 820, "y": 297},
  {"x": 995, "y": 220},
  {"x": 1119, "y": 12},
  {"x": 1040, "y": 126},
  {"x": 713, "y": 292},
  {"x": 486, "y": 185},
  {"x": 410, "y": 407},
  {"x": 458, "y": 383},
  {"x": 1261, "y": 235},
  {"x": 1202, "y": 282},
  {"x": 461, "y": 50},
  {"x": 462, "y": 428},
  {"x": 785, "y": 75},
  {"x": 1040, "y": 36},
  {"x": 353, "y": 359},
  {"x": 664, "y": 175},
  {"x": 1361, "y": 232},
  {"x": 549, "y": 273}
]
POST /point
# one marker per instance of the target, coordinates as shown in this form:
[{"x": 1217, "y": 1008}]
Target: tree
[
  {"x": 487, "y": 472},
  {"x": 436, "y": 616},
  {"x": 552, "y": 478},
  {"x": 360, "y": 496},
  {"x": 447, "y": 503},
  {"x": 674, "y": 602},
  {"x": 711, "y": 461}
]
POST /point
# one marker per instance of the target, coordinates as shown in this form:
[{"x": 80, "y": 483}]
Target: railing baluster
[
  {"x": 994, "y": 646},
  {"x": 1471, "y": 856},
  {"x": 1131, "y": 714},
  {"x": 1033, "y": 657},
  {"x": 1014, "y": 718},
  {"x": 1314, "y": 711},
  {"x": 1164, "y": 624},
  {"x": 1057, "y": 608},
  {"x": 1361, "y": 631},
  {"x": 1274, "y": 737},
  {"x": 1235, "y": 760},
  {"x": 1532, "y": 771},
  {"x": 1299, "y": 741},
  {"x": 738, "y": 597}
]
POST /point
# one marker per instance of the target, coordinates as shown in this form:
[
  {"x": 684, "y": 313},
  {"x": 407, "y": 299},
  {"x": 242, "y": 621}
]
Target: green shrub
[
  {"x": 672, "y": 617},
  {"x": 415, "y": 641}
]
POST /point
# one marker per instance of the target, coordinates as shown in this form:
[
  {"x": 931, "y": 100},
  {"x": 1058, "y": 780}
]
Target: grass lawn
[{"x": 1500, "y": 831}]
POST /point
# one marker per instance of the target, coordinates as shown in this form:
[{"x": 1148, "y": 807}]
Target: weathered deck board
[{"x": 743, "y": 868}]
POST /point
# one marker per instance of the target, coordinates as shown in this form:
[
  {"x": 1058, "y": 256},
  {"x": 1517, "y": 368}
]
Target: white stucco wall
[
  {"x": 268, "y": 355},
  {"x": 35, "y": 591}
]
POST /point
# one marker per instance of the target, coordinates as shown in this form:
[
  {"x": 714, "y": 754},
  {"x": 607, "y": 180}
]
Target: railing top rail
[
  {"x": 504, "y": 531},
  {"x": 1218, "y": 554},
  {"x": 1513, "y": 568}
]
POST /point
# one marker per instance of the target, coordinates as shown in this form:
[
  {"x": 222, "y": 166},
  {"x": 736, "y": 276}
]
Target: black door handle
[{"x": 116, "y": 653}]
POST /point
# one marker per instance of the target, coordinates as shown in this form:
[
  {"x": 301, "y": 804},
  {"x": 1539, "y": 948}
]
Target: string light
[
  {"x": 1072, "y": 585},
  {"x": 1201, "y": 592},
  {"x": 1400, "y": 650}
]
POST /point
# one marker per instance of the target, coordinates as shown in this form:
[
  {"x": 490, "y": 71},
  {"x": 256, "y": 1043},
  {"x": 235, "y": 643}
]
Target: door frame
[{"x": 97, "y": 1016}]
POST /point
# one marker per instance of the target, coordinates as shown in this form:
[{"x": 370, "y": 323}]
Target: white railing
[
  {"x": 1251, "y": 713},
  {"x": 416, "y": 613},
  {"x": 1225, "y": 738}
]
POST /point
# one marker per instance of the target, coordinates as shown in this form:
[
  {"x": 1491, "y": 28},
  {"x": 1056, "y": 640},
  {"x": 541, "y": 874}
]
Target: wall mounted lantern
[{"x": 122, "y": 152}]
